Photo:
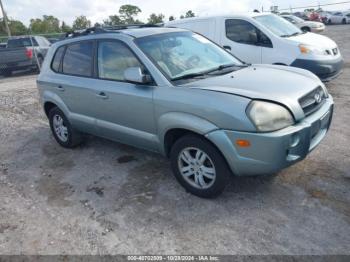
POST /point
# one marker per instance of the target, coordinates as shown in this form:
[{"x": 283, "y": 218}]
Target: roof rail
[{"x": 107, "y": 29}]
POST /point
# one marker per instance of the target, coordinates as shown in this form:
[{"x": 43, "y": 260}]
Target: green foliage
[
  {"x": 171, "y": 18},
  {"x": 113, "y": 20},
  {"x": 128, "y": 12},
  {"x": 189, "y": 13},
  {"x": 155, "y": 19},
  {"x": 16, "y": 27},
  {"x": 65, "y": 28},
  {"x": 81, "y": 22},
  {"x": 49, "y": 24}
]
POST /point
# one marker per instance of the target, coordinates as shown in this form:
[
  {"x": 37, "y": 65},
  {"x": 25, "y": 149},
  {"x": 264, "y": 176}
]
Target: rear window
[
  {"x": 57, "y": 59},
  {"x": 21, "y": 42},
  {"x": 78, "y": 59}
]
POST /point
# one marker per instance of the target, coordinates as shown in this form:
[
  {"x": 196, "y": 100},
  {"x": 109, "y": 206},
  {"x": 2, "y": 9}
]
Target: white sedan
[
  {"x": 306, "y": 26},
  {"x": 339, "y": 18}
]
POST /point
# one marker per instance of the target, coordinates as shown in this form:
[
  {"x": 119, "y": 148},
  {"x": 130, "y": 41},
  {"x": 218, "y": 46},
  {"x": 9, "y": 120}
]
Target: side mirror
[{"x": 135, "y": 75}]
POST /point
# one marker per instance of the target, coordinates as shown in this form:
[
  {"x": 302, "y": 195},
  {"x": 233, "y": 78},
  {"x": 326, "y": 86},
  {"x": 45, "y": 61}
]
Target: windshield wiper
[
  {"x": 219, "y": 68},
  {"x": 188, "y": 76},
  {"x": 222, "y": 67},
  {"x": 294, "y": 34}
]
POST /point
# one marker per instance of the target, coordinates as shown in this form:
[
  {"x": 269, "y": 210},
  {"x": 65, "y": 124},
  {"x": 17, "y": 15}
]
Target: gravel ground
[{"x": 108, "y": 198}]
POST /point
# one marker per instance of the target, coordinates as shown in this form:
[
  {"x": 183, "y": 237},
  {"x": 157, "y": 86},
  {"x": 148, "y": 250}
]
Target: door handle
[
  {"x": 102, "y": 95},
  {"x": 227, "y": 47},
  {"x": 60, "y": 88}
]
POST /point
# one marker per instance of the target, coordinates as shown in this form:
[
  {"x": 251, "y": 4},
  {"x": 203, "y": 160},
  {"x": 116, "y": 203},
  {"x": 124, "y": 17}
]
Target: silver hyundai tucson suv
[{"x": 175, "y": 92}]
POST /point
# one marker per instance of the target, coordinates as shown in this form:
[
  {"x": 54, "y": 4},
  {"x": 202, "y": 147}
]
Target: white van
[{"x": 264, "y": 38}]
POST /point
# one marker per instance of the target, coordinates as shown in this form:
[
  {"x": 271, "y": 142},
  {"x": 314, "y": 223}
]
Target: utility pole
[{"x": 5, "y": 19}]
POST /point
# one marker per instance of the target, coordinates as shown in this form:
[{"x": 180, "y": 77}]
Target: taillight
[{"x": 29, "y": 53}]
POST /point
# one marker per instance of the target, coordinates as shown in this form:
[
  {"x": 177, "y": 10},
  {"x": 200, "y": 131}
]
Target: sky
[{"x": 98, "y": 10}]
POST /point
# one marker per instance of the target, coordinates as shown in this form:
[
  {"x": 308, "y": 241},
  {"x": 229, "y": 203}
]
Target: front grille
[{"x": 312, "y": 101}]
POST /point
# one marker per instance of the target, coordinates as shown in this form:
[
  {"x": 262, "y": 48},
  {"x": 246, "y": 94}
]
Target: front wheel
[
  {"x": 344, "y": 21},
  {"x": 199, "y": 166},
  {"x": 62, "y": 130},
  {"x": 306, "y": 29}
]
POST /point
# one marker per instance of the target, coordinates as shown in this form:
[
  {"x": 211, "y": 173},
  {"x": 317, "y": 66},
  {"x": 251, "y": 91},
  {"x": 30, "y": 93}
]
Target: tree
[
  {"x": 189, "y": 13},
  {"x": 128, "y": 12},
  {"x": 113, "y": 20},
  {"x": 16, "y": 27},
  {"x": 156, "y": 19},
  {"x": 65, "y": 28},
  {"x": 171, "y": 18},
  {"x": 48, "y": 24},
  {"x": 182, "y": 17},
  {"x": 81, "y": 22}
]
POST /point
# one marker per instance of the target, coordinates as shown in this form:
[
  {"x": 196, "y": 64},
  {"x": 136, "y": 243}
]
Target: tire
[
  {"x": 329, "y": 21},
  {"x": 343, "y": 21},
  {"x": 204, "y": 186},
  {"x": 306, "y": 29},
  {"x": 65, "y": 135}
]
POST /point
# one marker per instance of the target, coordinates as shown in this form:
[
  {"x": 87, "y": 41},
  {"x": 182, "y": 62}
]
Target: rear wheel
[
  {"x": 329, "y": 21},
  {"x": 344, "y": 21},
  {"x": 199, "y": 166},
  {"x": 62, "y": 130}
]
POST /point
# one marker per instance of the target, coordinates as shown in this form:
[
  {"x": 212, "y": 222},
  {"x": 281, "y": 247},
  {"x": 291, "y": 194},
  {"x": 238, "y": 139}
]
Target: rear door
[{"x": 74, "y": 83}]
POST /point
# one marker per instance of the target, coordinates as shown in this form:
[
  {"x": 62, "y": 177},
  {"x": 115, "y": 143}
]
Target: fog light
[
  {"x": 294, "y": 140},
  {"x": 242, "y": 143}
]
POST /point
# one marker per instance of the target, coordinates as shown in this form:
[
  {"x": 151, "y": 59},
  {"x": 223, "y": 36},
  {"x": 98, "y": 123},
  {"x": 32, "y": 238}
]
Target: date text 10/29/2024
[{"x": 173, "y": 258}]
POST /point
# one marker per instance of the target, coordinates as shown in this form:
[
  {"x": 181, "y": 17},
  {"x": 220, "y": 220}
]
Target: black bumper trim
[{"x": 325, "y": 70}]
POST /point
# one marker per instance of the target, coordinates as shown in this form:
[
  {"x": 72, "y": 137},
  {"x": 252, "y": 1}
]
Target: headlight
[
  {"x": 307, "y": 49},
  {"x": 268, "y": 116}
]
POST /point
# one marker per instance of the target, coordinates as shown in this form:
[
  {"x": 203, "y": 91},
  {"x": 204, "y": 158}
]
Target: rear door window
[
  {"x": 78, "y": 59},
  {"x": 57, "y": 59}
]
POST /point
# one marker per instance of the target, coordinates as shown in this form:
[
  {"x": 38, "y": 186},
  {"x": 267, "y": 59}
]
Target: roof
[
  {"x": 141, "y": 32},
  {"x": 230, "y": 15}
]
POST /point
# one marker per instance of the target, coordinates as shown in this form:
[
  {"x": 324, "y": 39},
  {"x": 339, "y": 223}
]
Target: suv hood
[
  {"x": 281, "y": 84},
  {"x": 313, "y": 40}
]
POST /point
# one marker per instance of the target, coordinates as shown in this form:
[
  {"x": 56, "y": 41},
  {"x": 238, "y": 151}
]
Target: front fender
[{"x": 179, "y": 120}]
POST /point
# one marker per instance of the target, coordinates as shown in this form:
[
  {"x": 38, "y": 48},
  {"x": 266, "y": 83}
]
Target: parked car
[
  {"x": 325, "y": 15},
  {"x": 338, "y": 18},
  {"x": 23, "y": 52},
  {"x": 53, "y": 40},
  {"x": 302, "y": 15},
  {"x": 305, "y": 26},
  {"x": 3, "y": 45},
  {"x": 314, "y": 16},
  {"x": 347, "y": 16},
  {"x": 175, "y": 92},
  {"x": 269, "y": 39}
]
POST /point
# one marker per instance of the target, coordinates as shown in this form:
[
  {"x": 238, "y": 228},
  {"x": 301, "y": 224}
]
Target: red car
[{"x": 313, "y": 16}]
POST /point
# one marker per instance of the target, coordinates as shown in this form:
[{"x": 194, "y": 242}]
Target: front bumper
[
  {"x": 325, "y": 70},
  {"x": 273, "y": 151},
  {"x": 318, "y": 29}
]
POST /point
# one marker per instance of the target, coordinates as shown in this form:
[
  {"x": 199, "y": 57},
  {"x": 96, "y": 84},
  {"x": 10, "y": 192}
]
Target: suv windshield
[
  {"x": 183, "y": 55},
  {"x": 278, "y": 25}
]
